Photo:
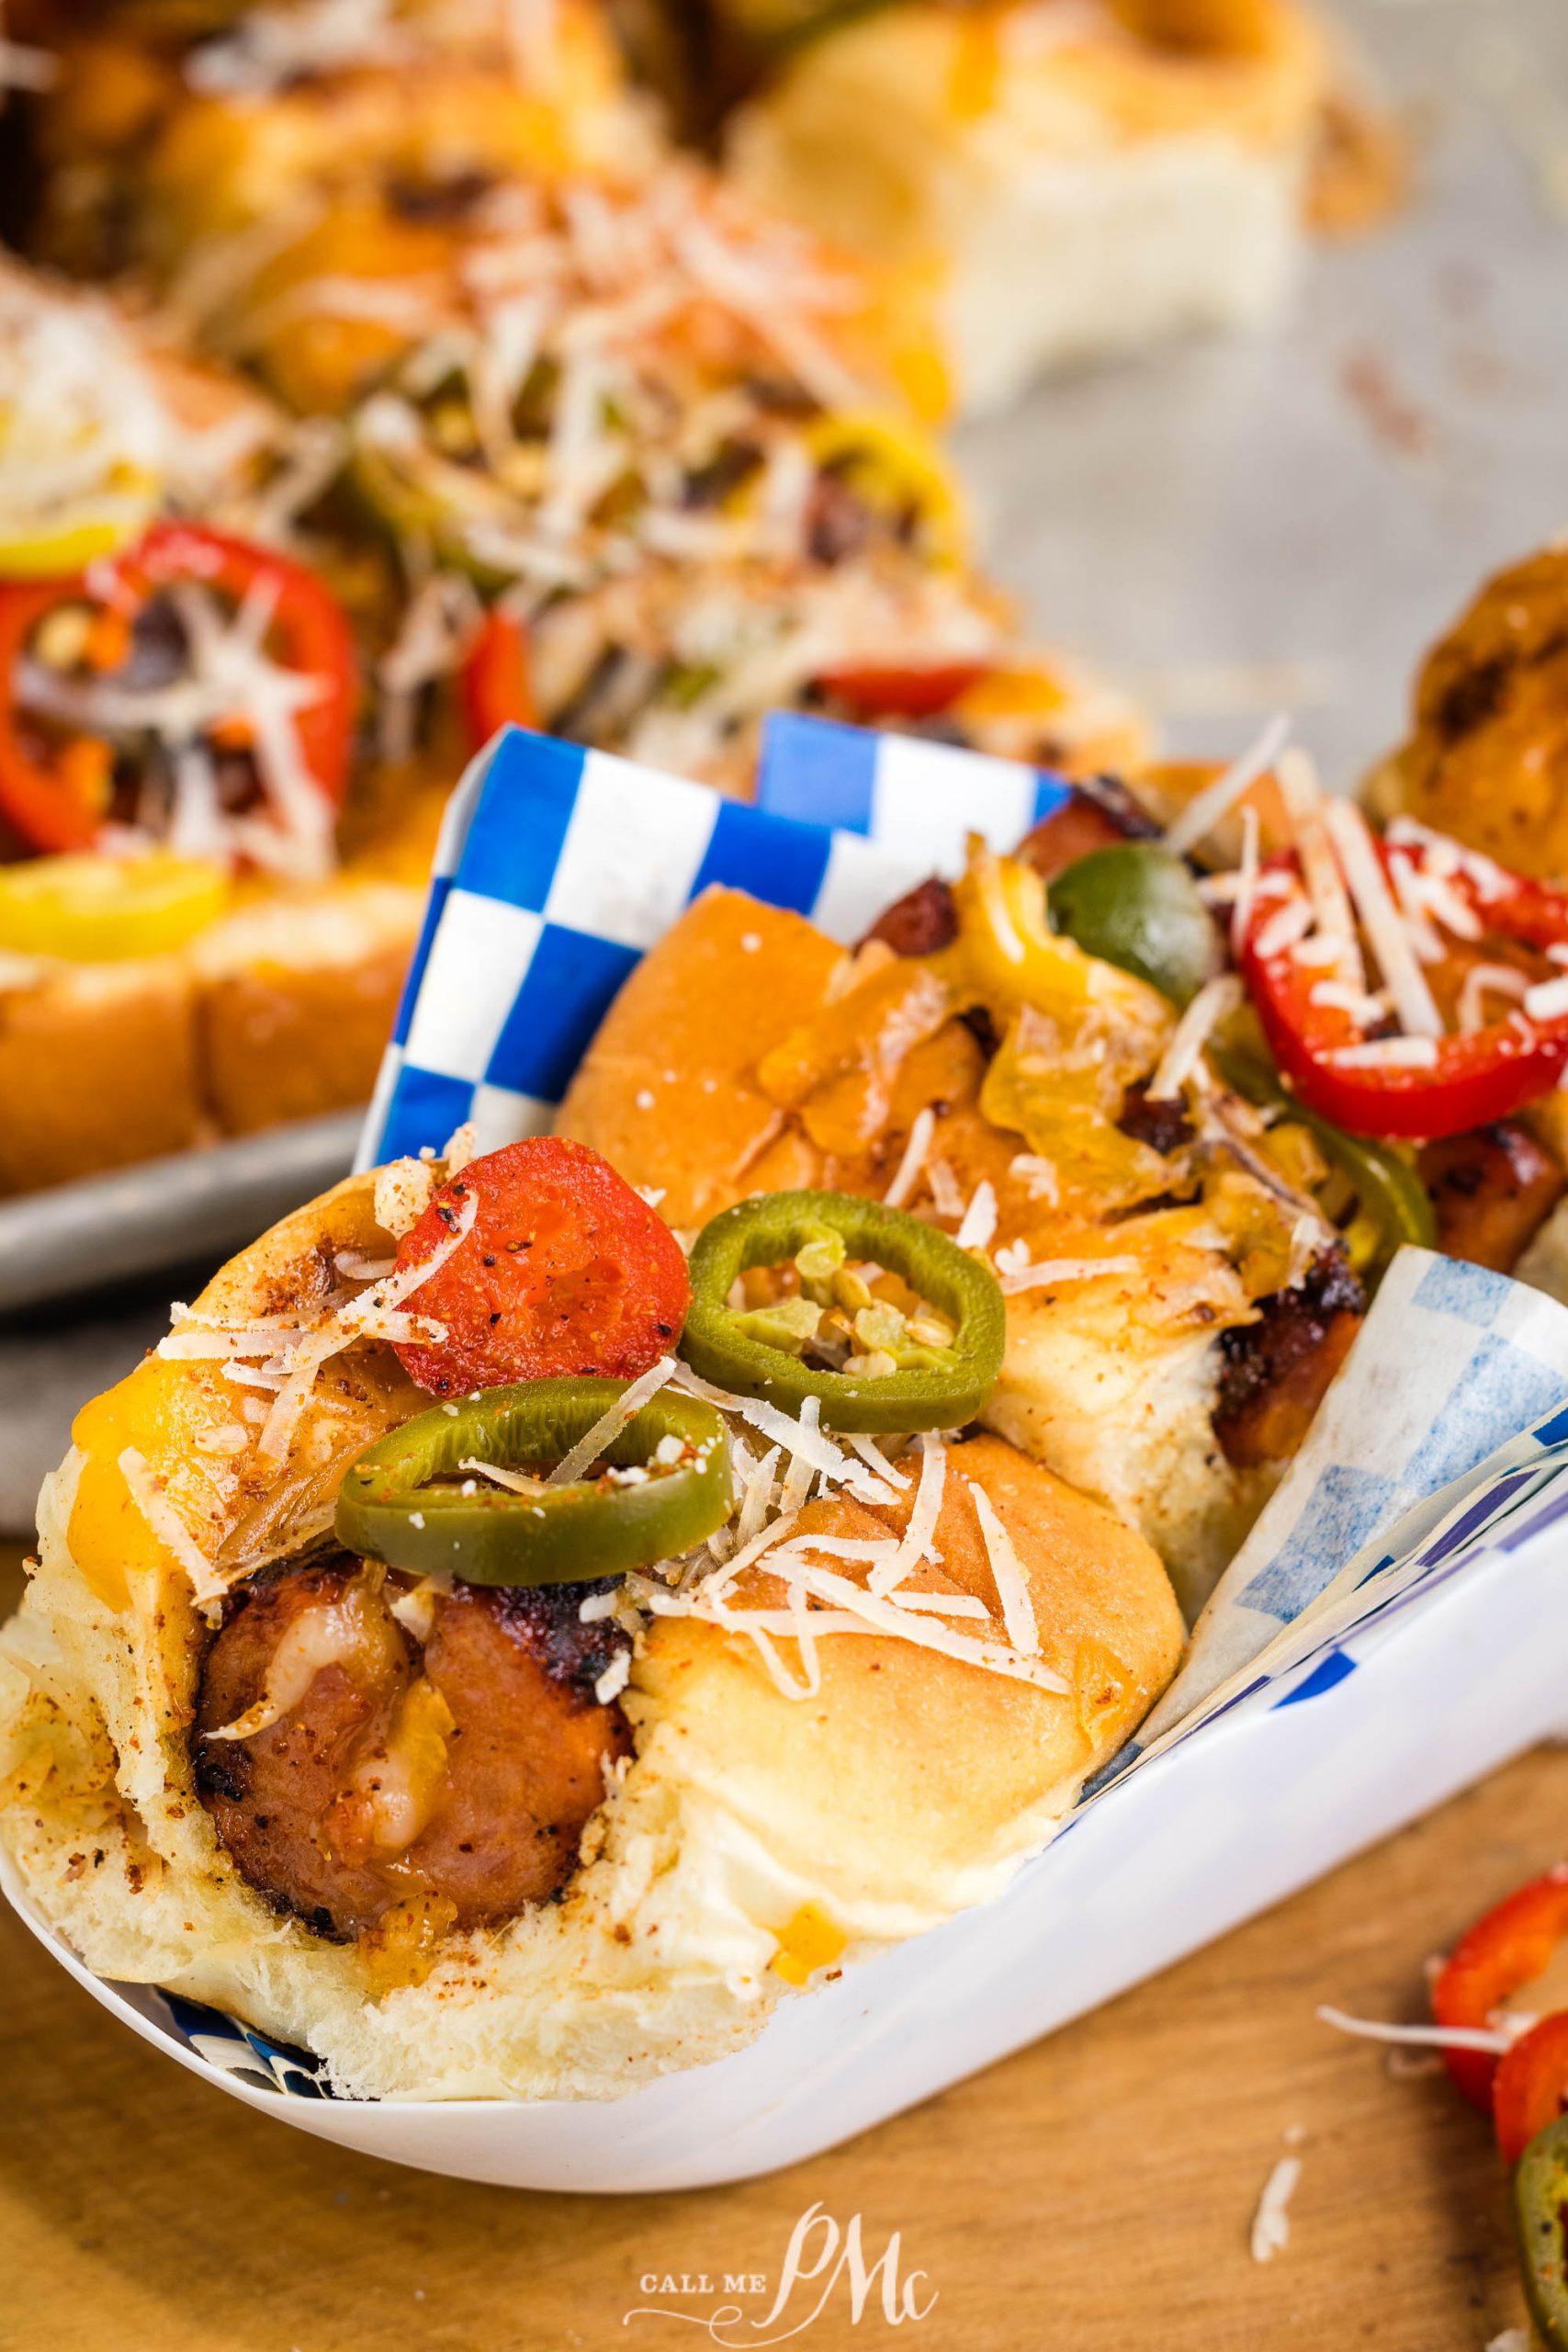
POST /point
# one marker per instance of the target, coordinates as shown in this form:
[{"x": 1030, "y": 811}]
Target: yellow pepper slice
[
  {"x": 895, "y": 466},
  {"x": 82, "y": 535},
  {"x": 90, "y": 908}
]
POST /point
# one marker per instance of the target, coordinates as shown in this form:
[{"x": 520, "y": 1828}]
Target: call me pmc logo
[{"x": 824, "y": 2266}]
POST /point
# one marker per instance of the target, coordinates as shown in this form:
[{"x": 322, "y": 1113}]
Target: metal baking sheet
[{"x": 72, "y": 1241}]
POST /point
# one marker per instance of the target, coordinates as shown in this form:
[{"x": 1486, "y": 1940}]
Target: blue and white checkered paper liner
[
  {"x": 914, "y": 797},
  {"x": 556, "y": 870}
]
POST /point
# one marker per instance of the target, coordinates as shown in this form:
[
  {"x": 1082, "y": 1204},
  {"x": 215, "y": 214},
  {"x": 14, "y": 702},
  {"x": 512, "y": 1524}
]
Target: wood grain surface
[{"x": 1093, "y": 2194}]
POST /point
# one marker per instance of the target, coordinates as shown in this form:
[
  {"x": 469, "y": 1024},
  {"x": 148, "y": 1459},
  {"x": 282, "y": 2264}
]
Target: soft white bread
[
  {"x": 277, "y": 1010},
  {"x": 1077, "y": 184},
  {"x": 98, "y": 1066},
  {"x": 296, "y": 995},
  {"x": 752, "y": 1838}
]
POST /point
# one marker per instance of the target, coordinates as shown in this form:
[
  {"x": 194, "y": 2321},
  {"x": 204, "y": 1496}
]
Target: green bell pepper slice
[
  {"x": 1540, "y": 2220},
  {"x": 1136, "y": 906},
  {"x": 730, "y": 1347},
  {"x": 1387, "y": 1187},
  {"x": 403, "y": 1500}
]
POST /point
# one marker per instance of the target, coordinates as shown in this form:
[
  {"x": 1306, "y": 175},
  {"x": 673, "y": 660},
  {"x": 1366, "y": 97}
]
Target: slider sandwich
[
  {"x": 203, "y": 927},
  {"x": 430, "y": 1666}
]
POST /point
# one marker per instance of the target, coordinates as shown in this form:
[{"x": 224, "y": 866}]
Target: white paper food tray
[
  {"x": 1256, "y": 1803},
  {"x": 1387, "y": 1634}
]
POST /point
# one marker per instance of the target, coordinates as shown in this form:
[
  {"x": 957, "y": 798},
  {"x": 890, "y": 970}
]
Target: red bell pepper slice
[
  {"x": 47, "y": 796},
  {"x": 1466, "y": 1081},
  {"x": 1508, "y": 1948},
  {"x": 901, "y": 691},
  {"x": 1530, "y": 2088},
  {"x": 494, "y": 686}
]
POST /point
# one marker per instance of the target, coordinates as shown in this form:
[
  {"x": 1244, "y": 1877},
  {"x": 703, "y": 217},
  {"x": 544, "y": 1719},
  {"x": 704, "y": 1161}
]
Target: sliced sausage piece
[
  {"x": 1277, "y": 1370},
  {"x": 1491, "y": 1189},
  {"x": 1085, "y": 820},
  {"x": 372, "y": 1766},
  {"x": 528, "y": 1747}
]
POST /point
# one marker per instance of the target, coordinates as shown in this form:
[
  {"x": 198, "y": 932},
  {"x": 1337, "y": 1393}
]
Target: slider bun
[
  {"x": 911, "y": 1784},
  {"x": 668, "y": 1089}
]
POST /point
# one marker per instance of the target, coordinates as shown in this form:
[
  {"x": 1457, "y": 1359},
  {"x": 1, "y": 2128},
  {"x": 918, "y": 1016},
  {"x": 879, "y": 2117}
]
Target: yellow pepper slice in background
[
  {"x": 894, "y": 466},
  {"x": 79, "y": 539},
  {"x": 90, "y": 908}
]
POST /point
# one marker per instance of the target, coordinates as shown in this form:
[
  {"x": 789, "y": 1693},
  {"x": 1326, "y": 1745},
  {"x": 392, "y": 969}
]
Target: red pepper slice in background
[
  {"x": 53, "y": 798},
  {"x": 565, "y": 1271},
  {"x": 1469, "y": 1080},
  {"x": 494, "y": 686},
  {"x": 898, "y": 692},
  {"x": 1508, "y": 1948},
  {"x": 1530, "y": 2088}
]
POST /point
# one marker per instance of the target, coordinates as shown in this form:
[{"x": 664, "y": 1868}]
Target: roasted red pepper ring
[
  {"x": 1531, "y": 2088},
  {"x": 893, "y": 691},
  {"x": 565, "y": 1271},
  {"x": 1510, "y": 1947},
  {"x": 496, "y": 687},
  {"x": 305, "y": 630},
  {"x": 1447, "y": 1085}
]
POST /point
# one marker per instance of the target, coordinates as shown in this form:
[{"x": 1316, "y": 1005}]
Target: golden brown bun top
[
  {"x": 910, "y": 1766},
  {"x": 668, "y": 1090},
  {"x": 1488, "y": 758},
  {"x": 736, "y": 1060}
]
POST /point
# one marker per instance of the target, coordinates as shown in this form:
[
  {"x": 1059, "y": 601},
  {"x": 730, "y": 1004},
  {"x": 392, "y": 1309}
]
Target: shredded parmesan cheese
[
  {"x": 404, "y": 1189},
  {"x": 1052, "y": 1271},
  {"x": 1485, "y": 980},
  {"x": 1412, "y": 1001},
  {"x": 870, "y": 1454},
  {"x": 1272, "y": 2222},
  {"x": 921, "y": 1532},
  {"x": 922, "y": 1128},
  {"x": 614, "y": 1680},
  {"x": 1282, "y": 930},
  {"x": 1037, "y": 1176},
  {"x": 1012, "y": 1588},
  {"x": 946, "y": 1198},
  {"x": 1214, "y": 1003},
  {"x": 1438, "y": 2037},
  {"x": 1548, "y": 999},
  {"x": 1320, "y": 869},
  {"x": 802, "y": 1470},
  {"x": 980, "y": 1218},
  {"x": 147, "y": 1492},
  {"x": 1245, "y": 881},
  {"x": 609, "y": 1425},
  {"x": 1204, "y": 812},
  {"x": 1387, "y": 1053}
]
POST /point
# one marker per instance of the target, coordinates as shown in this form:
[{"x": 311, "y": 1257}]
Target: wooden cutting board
[{"x": 1093, "y": 2194}]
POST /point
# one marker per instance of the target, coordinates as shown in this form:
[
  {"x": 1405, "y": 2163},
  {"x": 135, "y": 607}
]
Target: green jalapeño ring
[
  {"x": 408, "y": 1501},
  {"x": 948, "y": 1389}
]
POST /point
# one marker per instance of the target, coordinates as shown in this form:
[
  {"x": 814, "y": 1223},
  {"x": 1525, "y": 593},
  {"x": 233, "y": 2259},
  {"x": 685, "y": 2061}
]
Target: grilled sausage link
[
  {"x": 350, "y": 1763},
  {"x": 1277, "y": 1371}
]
